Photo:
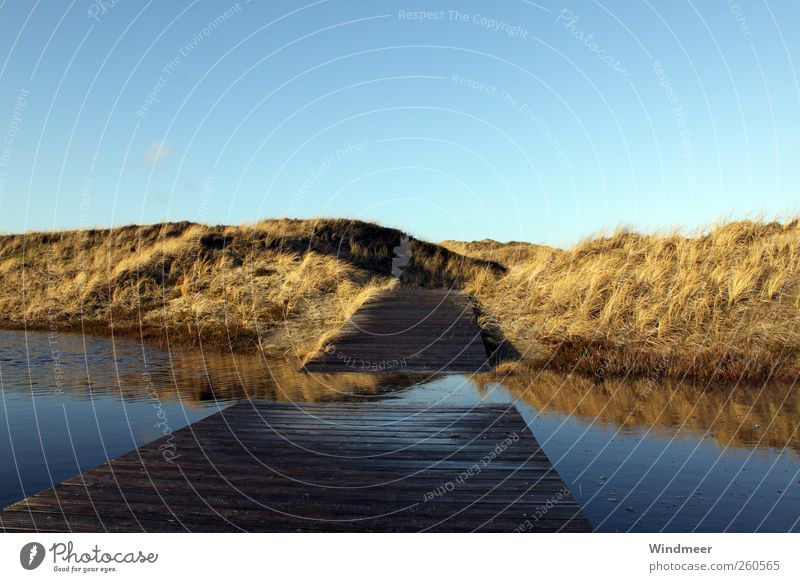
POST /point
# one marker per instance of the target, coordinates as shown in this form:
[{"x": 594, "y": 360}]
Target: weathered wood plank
[{"x": 233, "y": 472}]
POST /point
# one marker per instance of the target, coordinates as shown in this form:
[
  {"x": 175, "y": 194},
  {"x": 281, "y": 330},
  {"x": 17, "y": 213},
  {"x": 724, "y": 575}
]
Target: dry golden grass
[
  {"x": 722, "y": 304},
  {"x": 508, "y": 254},
  {"x": 277, "y": 284},
  {"x": 266, "y": 284}
]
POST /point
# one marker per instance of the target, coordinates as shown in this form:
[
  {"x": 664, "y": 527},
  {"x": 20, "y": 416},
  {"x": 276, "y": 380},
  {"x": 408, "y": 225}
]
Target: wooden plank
[
  {"x": 408, "y": 330},
  {"x": 231, "y": 474}
]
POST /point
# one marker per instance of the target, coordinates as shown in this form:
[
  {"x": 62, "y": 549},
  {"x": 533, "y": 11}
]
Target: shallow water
[{"x": 639, "y": 456}]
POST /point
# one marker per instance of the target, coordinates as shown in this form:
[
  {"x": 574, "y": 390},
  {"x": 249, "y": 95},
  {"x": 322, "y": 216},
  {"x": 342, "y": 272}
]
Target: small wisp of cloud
[{"x": 157, "y": 152}]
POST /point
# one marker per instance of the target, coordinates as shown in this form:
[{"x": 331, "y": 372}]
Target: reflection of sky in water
[{"x": 708, "y": 478}]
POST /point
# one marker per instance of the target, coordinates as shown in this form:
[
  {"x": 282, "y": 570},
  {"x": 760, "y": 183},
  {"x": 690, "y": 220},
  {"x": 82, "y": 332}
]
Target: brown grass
[
  {"x": 722, "y": 304},
  {"x": 276, "y": 284},
  {"x": 508, "y": 254}
]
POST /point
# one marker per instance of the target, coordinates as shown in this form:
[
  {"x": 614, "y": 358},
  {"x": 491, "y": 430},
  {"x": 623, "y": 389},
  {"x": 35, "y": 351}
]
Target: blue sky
[{"x": 511, "y": 120}]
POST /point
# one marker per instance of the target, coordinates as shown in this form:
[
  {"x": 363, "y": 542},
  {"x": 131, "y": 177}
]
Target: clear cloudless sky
[{"x": 512, "y": 120}]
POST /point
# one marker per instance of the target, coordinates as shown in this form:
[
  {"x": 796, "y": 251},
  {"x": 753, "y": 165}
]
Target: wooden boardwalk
[
  {"x": 408, "y": 330},
  {"x": 269, "y": 467}
]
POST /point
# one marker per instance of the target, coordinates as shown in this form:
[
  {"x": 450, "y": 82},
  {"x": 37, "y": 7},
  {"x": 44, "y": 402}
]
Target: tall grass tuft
[{"x": 722, "y": 304}]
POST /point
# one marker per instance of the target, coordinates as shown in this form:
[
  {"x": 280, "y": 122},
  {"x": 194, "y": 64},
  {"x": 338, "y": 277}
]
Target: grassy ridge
[
  {"x": 508, "y": 254},
  {"x": 277, "y": 284},
  {"x": 722, "y": 304}
]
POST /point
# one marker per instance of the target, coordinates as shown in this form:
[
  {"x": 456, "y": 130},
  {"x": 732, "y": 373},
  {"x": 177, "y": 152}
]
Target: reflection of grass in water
[
  {"x": 666, "y": 405},
  {"x": 196, "y": 380},
  {"x": 239, "y": 376}
]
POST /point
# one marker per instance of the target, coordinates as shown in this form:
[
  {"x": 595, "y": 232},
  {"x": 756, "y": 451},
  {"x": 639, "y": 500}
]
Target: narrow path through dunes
[{"x": 407, "y": 330}]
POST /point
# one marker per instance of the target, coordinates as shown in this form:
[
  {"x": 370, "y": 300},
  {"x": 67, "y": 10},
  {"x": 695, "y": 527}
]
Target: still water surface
[{"x": 639, "y": 456}]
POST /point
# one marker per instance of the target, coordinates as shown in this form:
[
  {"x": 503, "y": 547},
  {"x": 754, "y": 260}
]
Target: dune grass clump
[
  {"x": 723, "y": 304},
  {"x": 279, "y": 285},
  {"x": 265, "y": 284}
]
